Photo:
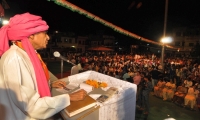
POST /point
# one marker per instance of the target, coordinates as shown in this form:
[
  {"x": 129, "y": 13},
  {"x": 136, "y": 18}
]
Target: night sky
[{"x": 142, "y": 17}]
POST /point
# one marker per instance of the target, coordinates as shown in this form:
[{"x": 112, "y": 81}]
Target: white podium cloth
[{"x": 122, "y": 105}]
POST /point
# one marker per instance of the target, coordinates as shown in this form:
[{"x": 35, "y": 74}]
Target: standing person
[
  {"x": 178, "y": 76},
  {"x": 147, "y": 87},
  {"x": 24, "y": 77},
  {"x": 155, "y": 76},
  {"x": 172, "y": 72},
  {"x": 137, "y": 78}
]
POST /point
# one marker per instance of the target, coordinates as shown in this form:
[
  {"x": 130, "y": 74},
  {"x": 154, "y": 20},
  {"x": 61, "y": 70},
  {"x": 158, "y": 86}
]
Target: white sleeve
[{"x": 21, "y": 88}]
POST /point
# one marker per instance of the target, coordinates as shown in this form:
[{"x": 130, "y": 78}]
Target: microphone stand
[{"x": 71, "y": 63}]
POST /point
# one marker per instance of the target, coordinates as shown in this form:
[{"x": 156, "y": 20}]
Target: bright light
[
  {"x": 5, "y": 22},
  {"x": 169, "y": 118},
  {"x": 166, "y": 40},
  {"x": 73, "y": 46}
]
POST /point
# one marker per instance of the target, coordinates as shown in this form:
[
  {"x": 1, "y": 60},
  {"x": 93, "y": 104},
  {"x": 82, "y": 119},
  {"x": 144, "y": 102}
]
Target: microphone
[{"x": 57, "y": 54}]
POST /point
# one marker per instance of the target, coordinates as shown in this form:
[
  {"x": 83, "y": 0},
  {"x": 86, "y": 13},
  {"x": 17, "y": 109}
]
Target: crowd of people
[{"x": 178, "y": 81}]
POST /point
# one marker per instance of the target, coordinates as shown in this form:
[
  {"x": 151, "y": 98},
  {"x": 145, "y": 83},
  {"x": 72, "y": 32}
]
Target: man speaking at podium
[{"x": 24, "y": 78}]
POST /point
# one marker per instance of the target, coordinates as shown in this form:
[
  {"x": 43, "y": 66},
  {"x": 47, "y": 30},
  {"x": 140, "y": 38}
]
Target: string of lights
[{"x": 81, "y": 11}]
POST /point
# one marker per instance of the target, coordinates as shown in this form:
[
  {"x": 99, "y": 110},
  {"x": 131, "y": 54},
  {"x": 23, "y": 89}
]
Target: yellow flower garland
[{"x": 96, "y": 84}]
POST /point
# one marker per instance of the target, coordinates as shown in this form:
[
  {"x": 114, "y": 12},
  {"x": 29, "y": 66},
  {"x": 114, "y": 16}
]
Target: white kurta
[{"x": 19, "y": 98}]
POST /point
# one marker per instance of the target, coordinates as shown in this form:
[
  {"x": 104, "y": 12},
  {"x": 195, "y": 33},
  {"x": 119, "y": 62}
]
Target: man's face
[{"x": 39, "y": 40}]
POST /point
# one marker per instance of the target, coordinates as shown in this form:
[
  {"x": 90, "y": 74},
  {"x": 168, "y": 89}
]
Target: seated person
[
  {"x": 157, "y": 87},
  {"x": 180, "y": 94},
  {"x": 188, "y": 82},
  {"x": 191, "y": 96},
  {"x": 74, "y": 70},
  {"x": 81, "y": 66},
  {"x": 164, "y": 91},
  {"x": 198, "y": 96},
  {"x": 198, "y": 100},
  {"x": 170, "y": 91},
  {"x": 160, "y": 90}
]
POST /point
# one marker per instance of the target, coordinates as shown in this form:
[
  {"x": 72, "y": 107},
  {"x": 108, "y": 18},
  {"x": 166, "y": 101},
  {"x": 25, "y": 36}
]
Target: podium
[
  {"x": 90, "y": 114},
  {"x": 120, "y": 107}
]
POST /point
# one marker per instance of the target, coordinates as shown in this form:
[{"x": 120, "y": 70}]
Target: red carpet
[{"x": 65, "y": 74}]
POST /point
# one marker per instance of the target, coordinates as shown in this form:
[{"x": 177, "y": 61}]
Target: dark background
[{"x": 142, "y": 17}]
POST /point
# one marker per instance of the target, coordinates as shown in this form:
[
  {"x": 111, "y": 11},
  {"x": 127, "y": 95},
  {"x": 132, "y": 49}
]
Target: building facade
[
  {"x": 186, "y": 39},
  {"x": 65, "y": 42}
]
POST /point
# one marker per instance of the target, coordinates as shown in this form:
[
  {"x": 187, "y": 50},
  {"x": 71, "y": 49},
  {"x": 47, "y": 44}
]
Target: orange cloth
[{"x": 46, "y": 71}]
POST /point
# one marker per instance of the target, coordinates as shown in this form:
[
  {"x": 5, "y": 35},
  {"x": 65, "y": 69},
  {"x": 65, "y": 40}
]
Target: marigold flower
[{"x": 95, "y": 83}]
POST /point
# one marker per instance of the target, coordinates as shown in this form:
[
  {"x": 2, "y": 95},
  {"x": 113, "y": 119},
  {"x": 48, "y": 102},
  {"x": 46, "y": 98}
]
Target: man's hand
[
  {"x": 58, "y": 84},
  {"x": 79, "y": 95}
]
